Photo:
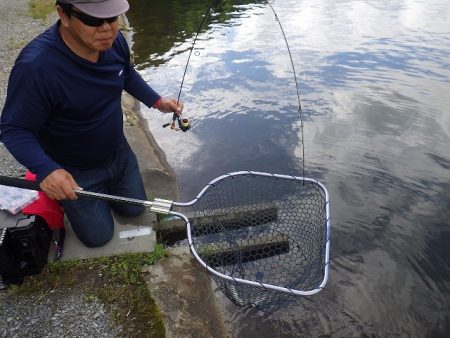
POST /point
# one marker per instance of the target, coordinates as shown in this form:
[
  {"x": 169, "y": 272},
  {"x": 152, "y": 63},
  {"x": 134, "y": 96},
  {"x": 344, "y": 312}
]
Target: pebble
[{"x": 63, "y": 313}]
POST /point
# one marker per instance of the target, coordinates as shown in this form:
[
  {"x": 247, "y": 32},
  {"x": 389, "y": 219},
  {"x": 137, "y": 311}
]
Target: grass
[
  {"x": 114, "y": 281},
  {"x": 40, "y": 9},
  {"x": 16, "y": 44}
]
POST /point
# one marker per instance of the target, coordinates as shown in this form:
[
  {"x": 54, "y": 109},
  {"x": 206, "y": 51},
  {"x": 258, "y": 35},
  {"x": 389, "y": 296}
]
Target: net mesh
[{"x": 263, "y": 229}]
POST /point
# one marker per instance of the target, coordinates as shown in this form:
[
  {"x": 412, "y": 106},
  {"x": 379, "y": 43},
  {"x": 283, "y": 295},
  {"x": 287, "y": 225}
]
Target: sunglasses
[{"x": 91, "y": 21}]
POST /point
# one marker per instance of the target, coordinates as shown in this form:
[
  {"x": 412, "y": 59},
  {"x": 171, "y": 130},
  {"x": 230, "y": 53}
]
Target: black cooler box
[{"x": 24, "y": 246}]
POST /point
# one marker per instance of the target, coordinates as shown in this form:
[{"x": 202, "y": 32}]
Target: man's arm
[
  {"x": 25, "y": 111},
  {"x": 136, "y": 86},
  {"x": 141, "y": 90}
]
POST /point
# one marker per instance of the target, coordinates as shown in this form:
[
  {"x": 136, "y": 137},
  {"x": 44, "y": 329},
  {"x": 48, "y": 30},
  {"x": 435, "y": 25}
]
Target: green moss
[
  {"x": 90, "y": 298},
  {"x": 114, "y": 281},
  {"x": 40, "y": 9},
  {"x": 16, "y": 44}
]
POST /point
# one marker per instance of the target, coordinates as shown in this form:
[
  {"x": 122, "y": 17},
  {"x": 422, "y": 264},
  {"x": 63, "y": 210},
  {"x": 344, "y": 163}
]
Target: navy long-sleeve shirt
[{"x": 63, "y": 111}]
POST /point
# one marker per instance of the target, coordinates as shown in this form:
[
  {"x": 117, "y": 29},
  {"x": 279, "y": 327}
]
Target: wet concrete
[{"x": 182, "y": 288}]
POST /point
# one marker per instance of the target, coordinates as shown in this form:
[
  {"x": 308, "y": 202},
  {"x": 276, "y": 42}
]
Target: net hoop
[{"x": 249, "y": 282}]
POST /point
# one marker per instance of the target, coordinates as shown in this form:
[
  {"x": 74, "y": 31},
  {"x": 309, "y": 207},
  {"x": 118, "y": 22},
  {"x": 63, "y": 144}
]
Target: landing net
[{"x": 262, "y": 237}]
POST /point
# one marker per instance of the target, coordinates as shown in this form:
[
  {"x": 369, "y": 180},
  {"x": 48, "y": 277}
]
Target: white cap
[{"x": 100, "y": 8}]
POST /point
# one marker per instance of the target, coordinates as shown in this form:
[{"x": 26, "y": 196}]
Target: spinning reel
[{"x": 183, "y": 123}]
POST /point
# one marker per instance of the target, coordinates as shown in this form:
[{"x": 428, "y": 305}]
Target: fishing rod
[{"x": 184, "y": 124}]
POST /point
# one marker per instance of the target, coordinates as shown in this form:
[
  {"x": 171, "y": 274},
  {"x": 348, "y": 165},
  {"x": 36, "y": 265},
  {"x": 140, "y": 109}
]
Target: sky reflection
[{"x": 374, "y": 79}]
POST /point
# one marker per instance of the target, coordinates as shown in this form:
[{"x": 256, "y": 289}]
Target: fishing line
[
  {"x": 214, "y": 5},
  {"x": 205, "y": 16},
  {"x": 300, "y": 111}
]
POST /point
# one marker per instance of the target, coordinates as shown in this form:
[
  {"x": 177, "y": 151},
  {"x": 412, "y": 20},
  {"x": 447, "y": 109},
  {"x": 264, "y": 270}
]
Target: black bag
[{"x": 24, "y": 247}]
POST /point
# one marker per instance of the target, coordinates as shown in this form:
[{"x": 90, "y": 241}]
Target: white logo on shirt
[{"x": 121, "y": 72}]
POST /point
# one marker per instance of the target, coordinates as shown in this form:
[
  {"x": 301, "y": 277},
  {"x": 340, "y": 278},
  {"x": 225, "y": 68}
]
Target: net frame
[{"x": 241, "y": 286}]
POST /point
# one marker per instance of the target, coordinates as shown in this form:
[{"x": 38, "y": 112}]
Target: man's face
[{"x": 96, "y": 37}]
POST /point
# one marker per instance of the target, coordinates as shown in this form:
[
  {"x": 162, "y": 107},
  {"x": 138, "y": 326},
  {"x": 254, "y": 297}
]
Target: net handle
[{"x": 33, "y": 185}]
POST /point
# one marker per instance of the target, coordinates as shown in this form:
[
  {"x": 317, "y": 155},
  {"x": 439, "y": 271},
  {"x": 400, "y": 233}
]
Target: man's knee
[
  {"x": 91, "y": 221},
  {"x": 94, "y": 234},
  {"x": 130, "y": 210},
  {"x": 96, "y": 240}
]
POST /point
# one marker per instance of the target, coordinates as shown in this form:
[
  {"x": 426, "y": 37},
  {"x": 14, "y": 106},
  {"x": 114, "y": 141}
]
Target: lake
[{"x": 374, "y": 84}]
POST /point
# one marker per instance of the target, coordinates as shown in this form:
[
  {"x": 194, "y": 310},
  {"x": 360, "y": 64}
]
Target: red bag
[{"x": 48, "y": 209}]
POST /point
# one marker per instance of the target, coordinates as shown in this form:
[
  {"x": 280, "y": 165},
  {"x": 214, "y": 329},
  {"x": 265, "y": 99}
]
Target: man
[{"x": 62, "y": 117}]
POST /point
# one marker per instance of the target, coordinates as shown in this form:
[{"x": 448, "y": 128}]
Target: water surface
[{"x": 374, "y": 80}]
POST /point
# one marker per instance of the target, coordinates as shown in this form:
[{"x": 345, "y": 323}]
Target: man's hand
[
  {"x": 59, "y": 185},
  {"x": 170, "y": 106}
]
